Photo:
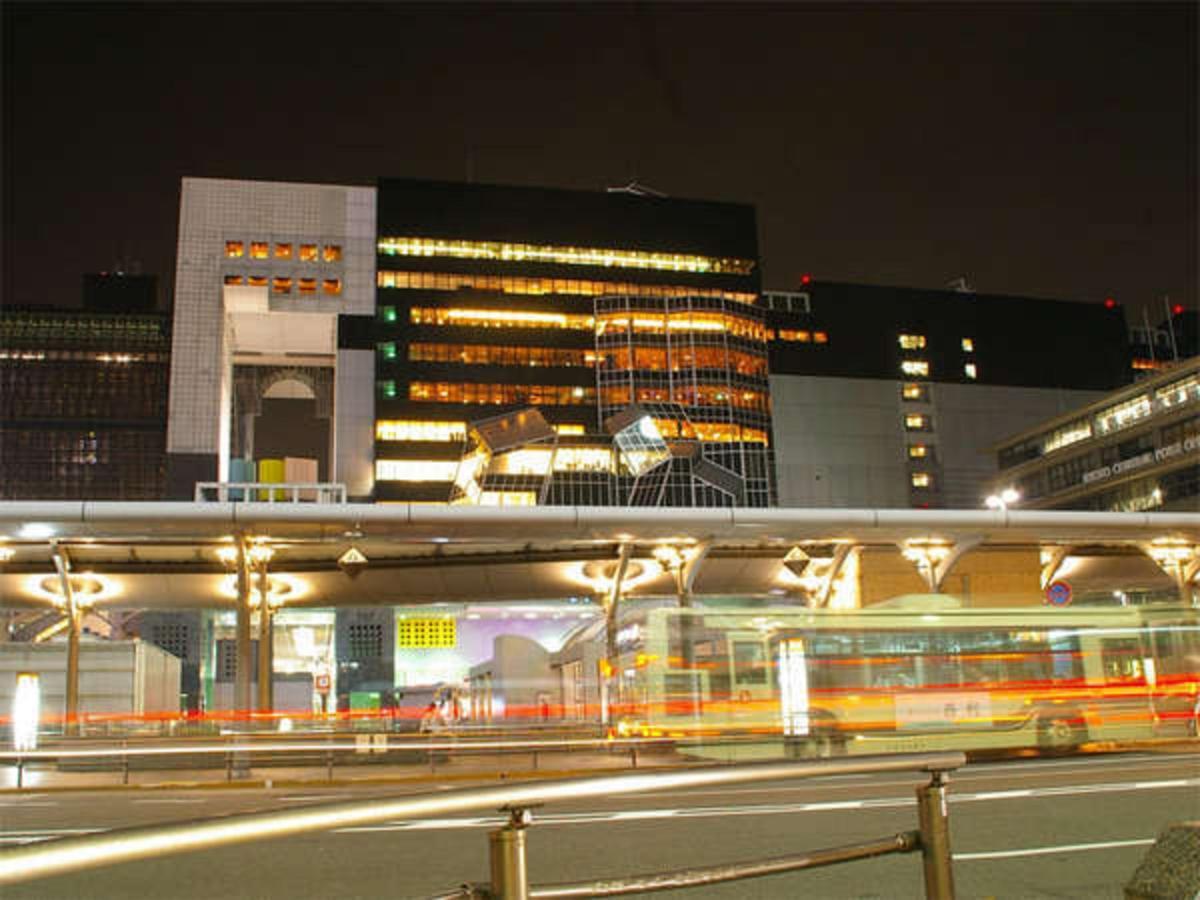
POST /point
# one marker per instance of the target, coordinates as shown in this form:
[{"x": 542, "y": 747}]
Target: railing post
[
  {"x": 20, "y": 773},
  {"x": 510, "y": 874},
  {"x": 935, "y": 837}
]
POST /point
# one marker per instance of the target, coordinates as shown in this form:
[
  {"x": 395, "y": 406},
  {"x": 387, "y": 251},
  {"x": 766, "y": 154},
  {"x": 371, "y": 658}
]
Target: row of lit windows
[
  {"x": 919, "y": 342},
  {"x": 513, "y": 284},
  {"x": 658, "y": 359},
  {"x": 498, "y": 318},
  {"x": 799, "y": 336},
  {"x": 559, "y": 255},
  {"x": 699, "y": 395},
  {"x": 415, "y": 469},
  {"x": 309, "y": 253},
  {"x": 283, "y": 285},
  {"x": 485, "y": 354},
  {"x": 919, "y": 368},
  {"x": 81, "y": 356},
  {"x": 431, "y": 430},
  {"x": 531, "y": 394},
  {"x": 651, "y": 323}
]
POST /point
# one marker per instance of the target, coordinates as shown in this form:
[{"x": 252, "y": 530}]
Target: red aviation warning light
[
  {"x": 1110, "y": 303},
  {"x": 806, "y": 278},
  {"x": 1177, "y": 309}
]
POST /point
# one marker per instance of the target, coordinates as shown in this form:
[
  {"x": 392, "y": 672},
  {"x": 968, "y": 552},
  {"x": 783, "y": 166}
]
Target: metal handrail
[{"x": 72, "y": 854}]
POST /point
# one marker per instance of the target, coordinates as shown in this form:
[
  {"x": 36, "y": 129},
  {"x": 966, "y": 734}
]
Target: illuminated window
[
  {"x": 480, "y": 393},
  {"x": 917, "y": 451},
  {"x": 499, "y": 318},
  {"x": 562, "y": 255},
  {"x": 332, "y": 253},
  {"x": 308, "y": 253},
  {"x": 583, "y": 459},
  {"x": 916, "y": 422},
  {"x": 522, "y": 462},
  {"x": 570, "y": 428},
  {"x": 259, "y": 249},
  {"x": 332, "y": 286},
  {"x": 419, "y": 430},
  {"x": 922, "y": 480},
  {"x": 281, "y": 285},
  {"x": 257, "y": 280},
  {"x": 912, "y": 341},
  {"x": 503, "y": 355},
  {"x": 388, "y": 389},
  {"x": 283, "y": 251},
  {"x": 307, "y": 285},
  {"x": 388, "y": 313},
  {"x": 508, "y": 498},
  {"x": 970, "y": 371},
  {"x": 820, "y": 337},
  {"x": 915, "y": 367},
  {"x": 511, "y": 284},
  {"x": 234, "y": 279},
  {"x": 388, "y": 350},
  {"x": 913, "y": 391},
  {"x": 415, "y": 469},
  {"x": 234, "y": 249},
  {"x": 788, "y": 334},
  {"x": 968, "y": 345}
]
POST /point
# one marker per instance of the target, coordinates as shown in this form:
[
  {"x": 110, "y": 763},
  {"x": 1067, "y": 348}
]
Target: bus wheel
[{"x": 1059, "y": 733}]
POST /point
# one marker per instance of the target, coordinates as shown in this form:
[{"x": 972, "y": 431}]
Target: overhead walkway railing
[
  {"x": 270, "y": 492},
  {"x": 508, "y": 848}
]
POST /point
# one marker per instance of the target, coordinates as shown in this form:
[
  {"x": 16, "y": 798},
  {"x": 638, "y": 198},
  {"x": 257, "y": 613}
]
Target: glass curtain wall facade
[
  {"x": 489, "y": 302},
  {"x": 83, "y": 405}
]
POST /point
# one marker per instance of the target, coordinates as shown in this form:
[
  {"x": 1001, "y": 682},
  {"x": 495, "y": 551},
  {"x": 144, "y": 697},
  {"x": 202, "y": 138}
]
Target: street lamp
[{"x": 1003, "y": 500}]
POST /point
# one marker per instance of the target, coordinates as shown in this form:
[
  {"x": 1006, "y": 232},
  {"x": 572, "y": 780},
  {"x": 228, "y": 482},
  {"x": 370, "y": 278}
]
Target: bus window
[
  {"x": 749, "y": 662},
  {"x": 1121, "y": 659}
]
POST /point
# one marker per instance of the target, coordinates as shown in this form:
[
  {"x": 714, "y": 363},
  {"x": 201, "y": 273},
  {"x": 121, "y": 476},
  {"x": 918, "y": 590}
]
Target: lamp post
[{"x": 1003, "y": 500}]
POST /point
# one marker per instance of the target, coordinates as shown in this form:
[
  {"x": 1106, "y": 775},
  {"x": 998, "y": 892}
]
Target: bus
[{"x": 912, "y": 674}]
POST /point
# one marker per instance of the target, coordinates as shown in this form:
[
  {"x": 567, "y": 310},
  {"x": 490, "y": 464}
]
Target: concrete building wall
[
  {"x": 842, "y": 442},
  {"x": 213, "y": 211},
  {"x": 117, "y": 677}
]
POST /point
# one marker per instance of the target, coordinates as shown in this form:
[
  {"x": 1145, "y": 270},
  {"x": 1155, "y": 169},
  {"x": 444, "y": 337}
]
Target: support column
[
  {"x": 266, "y": 687},
  {"x": 610, "y": 628},
  {"x": 74, "y": 627},
  {"x": 241, "y": 683}
]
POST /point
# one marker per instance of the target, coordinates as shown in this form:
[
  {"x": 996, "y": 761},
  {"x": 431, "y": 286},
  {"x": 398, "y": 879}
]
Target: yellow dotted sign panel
[{"x": 417, "y": 633}]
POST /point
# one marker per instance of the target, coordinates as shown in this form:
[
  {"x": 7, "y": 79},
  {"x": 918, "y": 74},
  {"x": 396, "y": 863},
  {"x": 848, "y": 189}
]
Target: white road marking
[{"x": 1045, "y": 851}]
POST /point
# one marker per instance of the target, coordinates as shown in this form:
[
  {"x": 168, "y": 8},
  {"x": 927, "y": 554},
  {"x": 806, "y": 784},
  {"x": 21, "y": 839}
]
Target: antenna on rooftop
[{"x": 636, "y": 188}]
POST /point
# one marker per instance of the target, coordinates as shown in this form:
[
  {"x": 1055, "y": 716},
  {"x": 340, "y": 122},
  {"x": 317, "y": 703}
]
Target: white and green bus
[{"x": 913, "y": 674}]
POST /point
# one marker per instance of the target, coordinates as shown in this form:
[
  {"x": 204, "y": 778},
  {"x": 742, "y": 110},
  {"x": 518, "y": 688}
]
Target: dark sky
[{"x": 1039, "y": 149}]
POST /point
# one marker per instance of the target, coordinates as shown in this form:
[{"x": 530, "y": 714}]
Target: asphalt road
[{"x": 1045, "y": 828}]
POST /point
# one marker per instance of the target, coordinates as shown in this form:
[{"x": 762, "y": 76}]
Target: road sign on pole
[{"x": 1058, "y": 593}]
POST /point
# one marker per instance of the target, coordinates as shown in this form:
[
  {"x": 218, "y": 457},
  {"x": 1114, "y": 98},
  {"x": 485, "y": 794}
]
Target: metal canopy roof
[{"x": 163, "y": 555}]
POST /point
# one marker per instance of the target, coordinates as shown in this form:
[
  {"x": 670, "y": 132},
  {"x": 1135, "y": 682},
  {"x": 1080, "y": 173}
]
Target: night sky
[{"x": 1036, "y": 149}]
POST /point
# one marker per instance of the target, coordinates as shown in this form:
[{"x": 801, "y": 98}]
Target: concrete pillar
[
  {"x": 266, "y": 687},
  {"x": 241, "y": 684}
]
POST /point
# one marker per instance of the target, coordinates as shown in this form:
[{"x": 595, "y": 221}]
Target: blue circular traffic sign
[{"x": 1059, "y": 593}]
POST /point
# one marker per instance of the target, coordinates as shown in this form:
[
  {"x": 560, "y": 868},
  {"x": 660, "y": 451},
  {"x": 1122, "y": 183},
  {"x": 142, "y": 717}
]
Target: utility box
[{"x": 117, "y": 679}]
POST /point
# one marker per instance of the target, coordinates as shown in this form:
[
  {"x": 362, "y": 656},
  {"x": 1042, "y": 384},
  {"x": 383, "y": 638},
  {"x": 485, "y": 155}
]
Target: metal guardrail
[
  {"x": 239, "y": 751},
  {"x": 509, "y": 870},
  {"x": 270, "y": 491}
]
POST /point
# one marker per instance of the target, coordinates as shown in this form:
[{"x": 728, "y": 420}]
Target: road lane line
[{"x": 1046, "y": 851}]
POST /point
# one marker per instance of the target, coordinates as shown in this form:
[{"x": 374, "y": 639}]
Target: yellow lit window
[
  {"x": 522, "y": 462},
  {"x": 915, "y": 367},
  {"x": 970, "y": 371},
  {"x": 257, "y": 280},
  {"x": 234, "y": 279},
  {"x": 583, "y": 459},
  {"x": 308, "y": 253},
  {"x": 498, "y": 318},
  {"x": 281, "y": 285},
  {"x": 922, "y": 480},
  {"x": 283, "y": 251},
  {"x": 508, "y": 498},
  {"x": 820, "y": 337},
  {"x": 915, "y": 422},
  {"x": 789, "y": 334},
  {"x": 415, "y": 469},
  {"x": 307, "y": 285},
  {"x": 453, "y": 281},
  {"x": 234, "y": 249},
  {"x": 259, "y": 249},
  {"x": 912, "y": 341},
  {"x": 912, "y": 391},
  {"x": 570, "y": 428},
  {"x": 426, "y": 633},
  {"x": 917, "y": 451},
  {"x": 561, "y": 255},
  {"x": 333, "y": 253},
  {"x": 419, "y": 430},
  {"x": 332, "y": 286},
  {"x": 968, "y": 345}
]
